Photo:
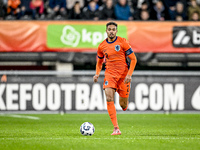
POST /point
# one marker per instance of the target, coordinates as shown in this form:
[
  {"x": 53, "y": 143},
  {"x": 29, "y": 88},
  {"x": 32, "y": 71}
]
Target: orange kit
[{"x": 116, "y": 69}]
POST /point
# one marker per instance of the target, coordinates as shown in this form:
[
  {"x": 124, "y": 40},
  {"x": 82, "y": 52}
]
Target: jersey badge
[{"x": 117, "y": 48}]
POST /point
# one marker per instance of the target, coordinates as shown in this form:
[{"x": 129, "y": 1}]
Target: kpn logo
[
  {"x": 186, "y": 36},
  {"x": 78, "y": 36}
]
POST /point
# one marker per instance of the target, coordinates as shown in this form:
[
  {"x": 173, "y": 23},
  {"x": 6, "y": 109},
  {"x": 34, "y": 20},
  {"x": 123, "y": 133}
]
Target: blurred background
[{"x": 48, "y": 53}]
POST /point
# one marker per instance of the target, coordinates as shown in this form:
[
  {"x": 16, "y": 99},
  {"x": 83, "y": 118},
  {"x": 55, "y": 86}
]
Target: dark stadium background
[
  {"x": 173, "y": 62},
  {"x": 47, "y": 63}
]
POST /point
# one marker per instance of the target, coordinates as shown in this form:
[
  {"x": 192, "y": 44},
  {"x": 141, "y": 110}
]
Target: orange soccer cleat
[
  {"x": 116, "y": 132},
  {"x": 124, "y": 109}
]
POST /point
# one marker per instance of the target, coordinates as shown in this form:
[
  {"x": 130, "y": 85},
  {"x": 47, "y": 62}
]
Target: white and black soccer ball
[{"x": 87, "y": 128}]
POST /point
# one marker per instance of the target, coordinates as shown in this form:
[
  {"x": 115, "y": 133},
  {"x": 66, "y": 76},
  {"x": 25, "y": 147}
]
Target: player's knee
[{"x": 109, "y": 98}]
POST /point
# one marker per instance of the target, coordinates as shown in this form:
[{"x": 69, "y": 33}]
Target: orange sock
[{"x": 112, "y": 113}]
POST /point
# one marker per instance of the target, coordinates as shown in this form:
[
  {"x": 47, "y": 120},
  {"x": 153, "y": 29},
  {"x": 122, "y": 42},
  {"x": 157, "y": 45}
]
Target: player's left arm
[
  {"x": 132, "y": 64},
  {"x": 131, "y": 68},
  {"x": 129, "y": 52}
]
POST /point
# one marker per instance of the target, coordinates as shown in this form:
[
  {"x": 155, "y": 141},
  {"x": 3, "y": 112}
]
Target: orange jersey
[
  {"x": 14, "y": 3},
  {"x": 115, "y": 54}
]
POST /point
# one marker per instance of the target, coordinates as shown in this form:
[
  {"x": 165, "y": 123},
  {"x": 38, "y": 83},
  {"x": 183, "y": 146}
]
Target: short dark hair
[{"x": 111, "y": 23}]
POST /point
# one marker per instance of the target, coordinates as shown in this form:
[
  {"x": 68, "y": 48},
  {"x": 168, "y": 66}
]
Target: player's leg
[
  {"x": 110, "y": 92},
  {"x": 123, "y": 101},
  {"x": 123, "y": 90},
  {"x": 110, "y": 86}
]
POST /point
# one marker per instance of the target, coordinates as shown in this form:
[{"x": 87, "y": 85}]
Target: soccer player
[{"x": 118, "y": 73}]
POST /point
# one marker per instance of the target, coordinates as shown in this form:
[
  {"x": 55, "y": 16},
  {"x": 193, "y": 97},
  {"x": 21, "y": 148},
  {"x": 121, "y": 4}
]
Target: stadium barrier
[
  {"x": 75, "y": 91},
  {"x": 85, "y": 36}
]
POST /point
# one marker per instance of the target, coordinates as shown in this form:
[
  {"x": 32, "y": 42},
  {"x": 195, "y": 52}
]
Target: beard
[{"x": 112, "y": 36}]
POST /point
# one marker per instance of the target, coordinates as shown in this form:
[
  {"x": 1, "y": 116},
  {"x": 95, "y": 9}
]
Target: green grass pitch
[{"x": 61, "y": 132}]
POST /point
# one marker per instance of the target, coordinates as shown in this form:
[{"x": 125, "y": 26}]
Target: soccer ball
[{"x": 87, "y": 128}]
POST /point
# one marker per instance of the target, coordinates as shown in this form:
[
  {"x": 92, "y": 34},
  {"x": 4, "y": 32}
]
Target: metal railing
[{"x": 136, "y": 73}]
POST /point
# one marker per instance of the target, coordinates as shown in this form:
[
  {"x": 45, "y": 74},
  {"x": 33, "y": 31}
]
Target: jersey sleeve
[
  {"x": 127, "y": 48},
  {"x": 100, "y": 53},
  {"x": 132, "y": 64},
  {"x": 99, "y": 60}
]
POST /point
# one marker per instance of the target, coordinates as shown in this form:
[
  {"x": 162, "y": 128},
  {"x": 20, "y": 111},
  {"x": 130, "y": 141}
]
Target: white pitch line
[
  {"x": 27, "y": 117},
  {"x": 21, "y": 116}
]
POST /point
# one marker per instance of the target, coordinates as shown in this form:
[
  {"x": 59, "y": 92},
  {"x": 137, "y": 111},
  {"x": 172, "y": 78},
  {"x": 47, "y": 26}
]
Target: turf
[{"x": 139, "y": 132}]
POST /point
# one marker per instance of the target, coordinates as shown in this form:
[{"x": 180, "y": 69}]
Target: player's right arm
[
  {"x": 99, "y": 64},
  {"x": 98, "y": 69}
]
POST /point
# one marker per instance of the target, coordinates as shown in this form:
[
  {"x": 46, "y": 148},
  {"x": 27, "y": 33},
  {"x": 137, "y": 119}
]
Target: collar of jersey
[{"x": 112, "y": 41}]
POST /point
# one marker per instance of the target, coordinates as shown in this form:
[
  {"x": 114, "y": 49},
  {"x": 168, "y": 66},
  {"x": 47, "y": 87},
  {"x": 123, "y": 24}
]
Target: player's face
[{"x": 111, "y": 31}]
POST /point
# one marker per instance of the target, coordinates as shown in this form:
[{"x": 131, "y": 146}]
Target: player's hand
[
  {"x": 95, "y": 78},
  {"x": 127, "y": 79}
]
